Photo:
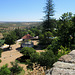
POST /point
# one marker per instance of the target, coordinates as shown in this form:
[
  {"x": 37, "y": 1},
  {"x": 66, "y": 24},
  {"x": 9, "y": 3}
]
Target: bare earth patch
[{"x": 11, "y": 55}]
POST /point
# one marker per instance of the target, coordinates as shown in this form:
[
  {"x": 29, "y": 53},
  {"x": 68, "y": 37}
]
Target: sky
[{"x": 32, "y": 10}]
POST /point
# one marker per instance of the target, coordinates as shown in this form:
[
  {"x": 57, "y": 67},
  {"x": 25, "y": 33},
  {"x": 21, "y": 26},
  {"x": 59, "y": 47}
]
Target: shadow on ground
[{"x": 19, "y": 48}]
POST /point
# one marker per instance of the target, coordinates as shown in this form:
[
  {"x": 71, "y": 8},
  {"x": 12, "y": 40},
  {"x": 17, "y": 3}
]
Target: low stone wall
[{"x": 64, "y": 66}]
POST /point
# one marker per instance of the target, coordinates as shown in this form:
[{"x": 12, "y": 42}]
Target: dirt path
[{"x": 10, "y": 56}]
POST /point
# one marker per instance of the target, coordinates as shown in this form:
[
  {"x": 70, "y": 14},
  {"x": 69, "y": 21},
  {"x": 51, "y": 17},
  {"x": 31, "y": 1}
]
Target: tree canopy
[{"x": 49, "y": 11}]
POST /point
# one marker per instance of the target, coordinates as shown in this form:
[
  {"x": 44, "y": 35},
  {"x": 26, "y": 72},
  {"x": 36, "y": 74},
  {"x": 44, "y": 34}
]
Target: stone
[
  {"x": 64, "y": 66},
  {"x": 65, "y": 58}
]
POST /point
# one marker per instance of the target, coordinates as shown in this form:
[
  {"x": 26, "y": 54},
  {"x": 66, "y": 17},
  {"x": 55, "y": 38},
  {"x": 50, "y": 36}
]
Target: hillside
[{"x": 6, "y": 24}]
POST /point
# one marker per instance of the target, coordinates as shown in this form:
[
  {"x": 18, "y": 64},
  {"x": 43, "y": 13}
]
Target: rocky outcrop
[{"x": 64, "y": 66}]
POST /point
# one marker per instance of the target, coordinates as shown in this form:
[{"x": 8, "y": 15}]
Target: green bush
[
  {"x": 30, "y": 64},
  {"x": 55, "y": 45},
  {"x": 27, "y": 51},
  {"x": 34, "y": 57},
  {"x": 15, "y": 69},
  {"x": 0, "y": 51},
  {"x": 47, "y": 59},
  {"x": 63, "y": 51},
  {"x": 0, "y": 61},
  {"x": 4, "y": 70}
]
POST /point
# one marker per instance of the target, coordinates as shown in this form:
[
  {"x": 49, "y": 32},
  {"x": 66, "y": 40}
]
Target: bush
[
  {"x": 55, "y": 45},
  {"x": 15, "y": 69},
  {"x": 47, "y": 59},
  {"x": 0, "y": 51},
  {"x": 30, "y": 64},
  {"x": 34, "y": 57},
  {"x": 27, "y": 51},
  {"x": 0, "y": 61},
  {"x": 4, "y": 70},
  {"x": 63, "y": 51}
]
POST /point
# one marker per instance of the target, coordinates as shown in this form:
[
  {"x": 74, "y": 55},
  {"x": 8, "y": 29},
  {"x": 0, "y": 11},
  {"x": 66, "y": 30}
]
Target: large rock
[{"x": 64, "y": 66}]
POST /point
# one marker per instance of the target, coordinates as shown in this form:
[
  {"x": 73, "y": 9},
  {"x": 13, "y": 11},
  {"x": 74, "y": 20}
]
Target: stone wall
[{"x": 64, "y": 66}]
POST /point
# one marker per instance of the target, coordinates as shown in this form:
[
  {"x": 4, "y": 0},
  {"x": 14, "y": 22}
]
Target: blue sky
[{"x": 32, "y": 10}]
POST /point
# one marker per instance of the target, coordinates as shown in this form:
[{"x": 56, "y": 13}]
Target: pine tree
[{"x": 49, "y": 11}]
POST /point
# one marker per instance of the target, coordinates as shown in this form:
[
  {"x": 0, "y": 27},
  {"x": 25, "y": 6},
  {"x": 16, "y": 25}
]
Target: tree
[
  {"x": 10, "y": 39},
  {"x": 47, "y": 59},
  {"x": 0, "y": 51},
  {"x": 15, "y": 69},
  {"x": 49, "y": 11},
  {"x": 27, "y": 51},
  {"x": 55, "y": 45},
  {"x": 46, "y": 38},
  {"x": 34, "y": 57},
  {"x": 73, "y": 29},
  {"x": 63, "y": 51},
  {"x": 18, "y": 33},
  {"x": 4, "y": 70},
  {"x": 36, "y": 31},
  {"x": 64, "y": 26}
]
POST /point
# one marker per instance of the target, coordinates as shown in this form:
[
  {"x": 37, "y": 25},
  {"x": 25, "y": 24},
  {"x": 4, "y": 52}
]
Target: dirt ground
[{"x": 12, "y": 55}]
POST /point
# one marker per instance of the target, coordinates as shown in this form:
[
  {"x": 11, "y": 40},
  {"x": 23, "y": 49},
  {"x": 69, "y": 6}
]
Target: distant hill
[{"x": 14, "y": 24}]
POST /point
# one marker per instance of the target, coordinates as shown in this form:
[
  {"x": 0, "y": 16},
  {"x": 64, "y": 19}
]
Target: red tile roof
[{"x": 28, "y": 36}]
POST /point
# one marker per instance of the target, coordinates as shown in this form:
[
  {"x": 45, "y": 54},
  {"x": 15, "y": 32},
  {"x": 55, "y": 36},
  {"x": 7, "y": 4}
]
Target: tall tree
[
  {"x": 73, "y": 29},
  {"x": 64, "y": 29},
  {"x": 49, "y": 11}
]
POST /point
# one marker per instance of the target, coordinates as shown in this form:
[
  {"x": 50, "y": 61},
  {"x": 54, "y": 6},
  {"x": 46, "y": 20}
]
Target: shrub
[
  {"x": 27, "y": 51},
  {"x": 34, "y": 57},
  {"x": 55, "y": 45},
  {"x": 30, "y": 64},
  {"x": 47, "y": 59},
  {"x": 15, "y": 69},
  {"x": 0, "y": 61},
  {"x": 0, "y": 51},
  {"x": 4, "y": 70},
  {"x": 63, "y": 51}
]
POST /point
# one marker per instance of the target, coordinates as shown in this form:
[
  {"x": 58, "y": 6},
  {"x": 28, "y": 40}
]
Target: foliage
[
  {"x": 10, "y": 39},
  {"x": 0, "y": 51},
  {"x": 64, "y": 30},
  {"x": 34, "y": 57},
  {"x": 29, "y": 63},
  {"x": 4, "y": 70},
  {"x": 55, "y": 45},
  {"x": 5, "y": 34},
  {"x": 36, "y": 31},
  {"x": 49, "y": 26},
  {"x": 72, "y": 29},
  {"x": 49, "y": 11},
  {"x": 0, "y": 61},
  {"x": 45, "y": 38},
  {"x": 63, "y": 51},
  {"x": 22, "y": 72},
  {"x": 2, "y": 42},
  {"x": 15, "y": 69},
  {"x": 27, "y": 51},
  {"x": 47, "y": 59},
  {"x": 18, "y": 33}
]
